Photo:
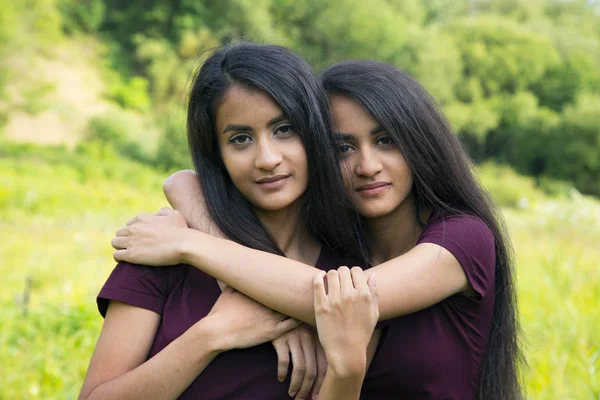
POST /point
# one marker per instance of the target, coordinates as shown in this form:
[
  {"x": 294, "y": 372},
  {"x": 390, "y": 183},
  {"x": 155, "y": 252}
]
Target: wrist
[
  {"x": 209, "y": 334},
  {"x": 348, "y": 366},
  {"x": 187, "y": 245}
]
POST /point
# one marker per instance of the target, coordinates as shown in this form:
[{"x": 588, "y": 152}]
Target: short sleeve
[
  {"x": 140, "y": 286},
  {"x": 471, "y": 242}
]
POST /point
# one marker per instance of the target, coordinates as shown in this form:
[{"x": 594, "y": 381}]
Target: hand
[
  {"x": 151, "y": 239},
  {"x": 243, "y": 322},
  {"x": 309, "y": 366},
  {"x": 346, "y": 314}
]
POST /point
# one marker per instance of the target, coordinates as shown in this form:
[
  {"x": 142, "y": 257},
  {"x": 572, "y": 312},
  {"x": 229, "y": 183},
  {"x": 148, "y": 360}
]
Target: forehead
[
  {"x": 247, "y": 106},
  {"x": 350, "y": 117}
]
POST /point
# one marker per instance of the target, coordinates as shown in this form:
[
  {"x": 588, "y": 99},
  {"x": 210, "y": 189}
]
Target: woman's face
[
  {"x": 261, "y": 151},
  {"x": 376, "y": 176}
]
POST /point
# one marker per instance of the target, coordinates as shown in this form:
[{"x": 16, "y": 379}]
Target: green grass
[{"x": 59, "y": 210}]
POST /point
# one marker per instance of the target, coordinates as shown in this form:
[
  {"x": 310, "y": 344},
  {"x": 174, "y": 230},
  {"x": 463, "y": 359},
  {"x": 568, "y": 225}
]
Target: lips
[
  {"x": 271, "y": 179},
  {"x": 271, "y": 183},
  {"x": 370, "y": 186},
  {"x": 373, "y": 189}
]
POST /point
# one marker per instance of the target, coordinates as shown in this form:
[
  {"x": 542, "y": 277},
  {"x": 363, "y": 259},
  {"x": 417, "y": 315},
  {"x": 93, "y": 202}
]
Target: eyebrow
[
  {"x": 342, "y": 137},
  {"x": 376, "y": 130},
  {"x": 348, "y": 136},
  {"x": 235, "y": 127}
]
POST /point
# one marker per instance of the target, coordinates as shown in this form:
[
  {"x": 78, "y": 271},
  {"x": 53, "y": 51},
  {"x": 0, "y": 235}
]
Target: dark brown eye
[
  {"x": 240, "y": 139},
  {"x": 385, "y": 140},
  {"x": 285, "y": 130}
]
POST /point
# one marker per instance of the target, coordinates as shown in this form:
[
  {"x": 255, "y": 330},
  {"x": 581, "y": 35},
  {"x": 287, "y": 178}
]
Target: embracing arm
[
  {"x": 118, "y": 368},
  {"x": 416, "y": 280}
]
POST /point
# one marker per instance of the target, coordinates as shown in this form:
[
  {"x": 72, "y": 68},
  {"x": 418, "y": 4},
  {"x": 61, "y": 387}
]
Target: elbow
[{"x": 177, "y": 180}]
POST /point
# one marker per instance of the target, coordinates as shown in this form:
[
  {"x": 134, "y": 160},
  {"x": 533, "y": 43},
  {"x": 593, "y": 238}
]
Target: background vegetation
[{"x": 91, "y": 121}]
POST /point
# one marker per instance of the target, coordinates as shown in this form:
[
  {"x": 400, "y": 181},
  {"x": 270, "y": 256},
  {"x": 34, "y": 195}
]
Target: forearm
[
  {"x": 166, "y": 375},
  {"x": 277, "y": 282},
  {"x": 184, "y": 194}
]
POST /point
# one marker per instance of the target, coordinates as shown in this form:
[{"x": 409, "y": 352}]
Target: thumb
[{"x": 164, "y": 211}]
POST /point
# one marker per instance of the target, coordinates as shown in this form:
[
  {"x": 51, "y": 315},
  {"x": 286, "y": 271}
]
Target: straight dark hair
[
  {"x": 444, "y": 182},
  {"x": 289, "y": 80}
]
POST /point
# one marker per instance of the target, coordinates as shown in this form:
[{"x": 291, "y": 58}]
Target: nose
[
  {"x": 268, "y": 156},
  {"x": 368, "y": 165}
]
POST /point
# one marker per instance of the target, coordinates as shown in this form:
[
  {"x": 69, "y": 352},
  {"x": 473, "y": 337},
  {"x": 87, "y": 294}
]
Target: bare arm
[
  {"x": 184, "y": 194},
  {"x": 416, "y": 280},
  {"x": 118, "y": 368},
  {"x": 346, "y": 315}
]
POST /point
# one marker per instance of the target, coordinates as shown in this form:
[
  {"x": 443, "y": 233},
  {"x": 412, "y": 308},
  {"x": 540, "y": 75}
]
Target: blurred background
[{"x": 92, "y": 96}]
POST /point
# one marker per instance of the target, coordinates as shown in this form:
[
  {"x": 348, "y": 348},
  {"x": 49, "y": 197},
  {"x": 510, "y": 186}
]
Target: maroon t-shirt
[
  {"x": 437, "y": 353},
  {"x": 183, "y": 295}
]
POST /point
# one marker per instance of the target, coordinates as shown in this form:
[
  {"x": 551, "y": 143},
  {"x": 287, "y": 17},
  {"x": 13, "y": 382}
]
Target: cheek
[
  {"x": 298, "y": 155},
  {"x": 347, "y": 175},
  {"x": 235, "y": 163}
]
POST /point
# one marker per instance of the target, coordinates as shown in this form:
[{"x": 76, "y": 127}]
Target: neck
[
  {"x": 395, "y": 233},
  {"x": 291, "y": 234}
]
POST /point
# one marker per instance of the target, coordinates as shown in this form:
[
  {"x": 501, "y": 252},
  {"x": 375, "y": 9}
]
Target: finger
[
  {"x": 137, "y": 218},
  {"x": 346, "y": 286},
  {"x": 298, "y": 366},
  {"x": 119, "y": 242},
  {"x": 283, "y": 359},
  {"x": 333, "y": 286},
  {"x": 123, "y": 231},
  {"x": 359, "y": 281},
  {"x": 310, "y": 365},
  {"x": 164, "y": 211},
  {"x": 282, "y": 326},
  {"x": 120, "y": 255},
  {"x": 320, "y": 297},
  {"x": 321, "y": 369}
]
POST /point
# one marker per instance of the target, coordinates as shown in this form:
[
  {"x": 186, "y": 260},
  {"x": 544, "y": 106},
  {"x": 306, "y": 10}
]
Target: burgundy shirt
[
  {"x": 437, "y": 353},
  {"x": 183, "y": 295}
]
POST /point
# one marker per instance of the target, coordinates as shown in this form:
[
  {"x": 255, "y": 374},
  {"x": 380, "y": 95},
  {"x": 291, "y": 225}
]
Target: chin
[
  {"x": 367, "y": 212},
  {"x": 274, "y": 205}
]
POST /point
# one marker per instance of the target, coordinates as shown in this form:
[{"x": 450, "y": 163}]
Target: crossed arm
[{"x": 423, "y": 276}]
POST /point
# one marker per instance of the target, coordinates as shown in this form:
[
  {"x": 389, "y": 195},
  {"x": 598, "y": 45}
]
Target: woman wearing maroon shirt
[
  {"x": 444, "y": 268},
  {"x": 257, "y": 129}
]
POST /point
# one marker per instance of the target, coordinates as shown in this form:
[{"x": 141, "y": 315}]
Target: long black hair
[
  {"x": 289, "y": 80},
  {"x": 443, "y": 182}
]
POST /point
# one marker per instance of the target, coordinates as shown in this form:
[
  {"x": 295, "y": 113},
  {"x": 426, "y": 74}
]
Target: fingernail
[
  {"x": 292, "y": 394},
  {"x": 374, "y": 279}
]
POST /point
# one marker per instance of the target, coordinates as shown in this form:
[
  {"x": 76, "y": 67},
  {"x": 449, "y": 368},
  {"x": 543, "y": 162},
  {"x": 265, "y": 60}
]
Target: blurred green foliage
[{"x": 518, "y": 79}]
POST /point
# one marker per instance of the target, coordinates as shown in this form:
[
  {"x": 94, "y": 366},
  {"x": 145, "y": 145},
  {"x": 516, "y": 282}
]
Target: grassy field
[{"x": 58, "y": 212}]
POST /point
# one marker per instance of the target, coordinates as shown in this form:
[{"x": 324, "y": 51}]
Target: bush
[
  {"x": 172, "y": 153},
  {"x": 132, "y": 94},
  {"x": 118, "y": 131},
  {"x": 81, "y": 15},
  {"x": 508, "y": 189}
]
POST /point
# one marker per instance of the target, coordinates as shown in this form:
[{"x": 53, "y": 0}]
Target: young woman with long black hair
[
  {"x": 257, "y": 129},
  {"x": 436, "y": 242}
]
